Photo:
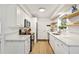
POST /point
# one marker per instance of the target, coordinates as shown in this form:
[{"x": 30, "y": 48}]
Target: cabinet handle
[
  {"x": 61, "y": 44},
  {"x": 57, "y": 44}
]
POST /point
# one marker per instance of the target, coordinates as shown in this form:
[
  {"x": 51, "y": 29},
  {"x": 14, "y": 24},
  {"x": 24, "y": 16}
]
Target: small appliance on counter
[{"x": 25, "y": 31}]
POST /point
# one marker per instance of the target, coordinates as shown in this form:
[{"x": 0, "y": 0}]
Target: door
[{"x": 42, "y": 28}]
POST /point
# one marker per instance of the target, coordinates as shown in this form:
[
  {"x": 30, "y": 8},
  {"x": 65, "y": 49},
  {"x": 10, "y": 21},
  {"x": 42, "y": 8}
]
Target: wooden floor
[{"x": 41, "y": 47}]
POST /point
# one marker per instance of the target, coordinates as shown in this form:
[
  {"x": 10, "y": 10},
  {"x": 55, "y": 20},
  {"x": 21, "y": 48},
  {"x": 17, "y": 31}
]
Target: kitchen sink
[{"x": 55, "y": 33}]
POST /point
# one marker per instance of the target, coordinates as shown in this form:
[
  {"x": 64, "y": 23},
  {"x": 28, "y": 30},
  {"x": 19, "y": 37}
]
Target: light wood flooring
[{"x": 42, "y": 47}]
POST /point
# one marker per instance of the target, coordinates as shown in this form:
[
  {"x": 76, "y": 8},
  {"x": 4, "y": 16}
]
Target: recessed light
[{"x": 42, "y": 9}]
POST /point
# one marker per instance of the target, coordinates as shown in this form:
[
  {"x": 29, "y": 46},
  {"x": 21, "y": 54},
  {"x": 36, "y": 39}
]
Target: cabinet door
[
  {"x": 74, "y": 50},
  {"x": 27, "y": 46},
  {"x": 0, "y": 47},
  {"x": 20, "y": 17},
  {"x": 14, "y": 47},
  {"x": 51, "y": 41},
  {"x": 60, "y": 47}
]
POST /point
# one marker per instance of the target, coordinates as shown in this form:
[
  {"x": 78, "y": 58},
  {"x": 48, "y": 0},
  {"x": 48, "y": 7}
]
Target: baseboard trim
[{"x": 42, "y": 39}]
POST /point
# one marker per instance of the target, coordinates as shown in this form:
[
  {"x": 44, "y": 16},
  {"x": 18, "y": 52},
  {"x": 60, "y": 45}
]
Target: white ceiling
[{"x": 50, "y": 9}]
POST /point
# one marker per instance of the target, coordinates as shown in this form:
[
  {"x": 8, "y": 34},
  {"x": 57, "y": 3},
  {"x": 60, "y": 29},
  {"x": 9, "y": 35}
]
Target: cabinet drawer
[
  {"x": 15, "y": 50},
  {"x": 60, "y": 47},
  {"x": 14, "y": 47},
  {"x": 14, "y": 43},
  {"x": 74, "y": 50}
]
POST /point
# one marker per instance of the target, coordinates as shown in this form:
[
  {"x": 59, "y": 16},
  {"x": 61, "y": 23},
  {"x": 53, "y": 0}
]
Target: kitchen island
[
  {"x": 65, "y": 43},
  {"x": 0, "y": 45},
  {"x": 17, "y": 44}
]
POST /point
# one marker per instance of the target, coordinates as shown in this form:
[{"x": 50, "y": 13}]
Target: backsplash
[{"x": 74, "y": 29}]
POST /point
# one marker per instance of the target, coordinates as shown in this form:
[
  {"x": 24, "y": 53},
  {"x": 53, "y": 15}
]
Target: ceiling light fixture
[{"x": 42, "y": 9}]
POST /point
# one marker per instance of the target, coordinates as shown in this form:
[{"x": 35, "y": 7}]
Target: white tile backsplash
[{"x": 74, "y": 29}]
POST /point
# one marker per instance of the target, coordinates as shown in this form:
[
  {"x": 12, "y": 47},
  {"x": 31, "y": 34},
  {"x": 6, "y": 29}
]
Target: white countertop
[
  {"x": 68, "y": 38},
  {"x": 16, "y": 36}
]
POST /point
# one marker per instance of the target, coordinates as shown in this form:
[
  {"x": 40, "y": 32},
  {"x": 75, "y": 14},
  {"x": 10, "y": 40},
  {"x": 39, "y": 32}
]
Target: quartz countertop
[
  {"x": 16, "y": 36},
  {"x": 69, "y": 39}
]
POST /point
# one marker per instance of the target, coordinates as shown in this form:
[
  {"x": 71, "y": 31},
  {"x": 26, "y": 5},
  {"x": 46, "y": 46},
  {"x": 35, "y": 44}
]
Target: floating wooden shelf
[
  {"x": 53, "y": 23},
  {"x": 74, "y": 24},
  {"x": 54, "y": 17},
  {"x": 71, "y": 15}
]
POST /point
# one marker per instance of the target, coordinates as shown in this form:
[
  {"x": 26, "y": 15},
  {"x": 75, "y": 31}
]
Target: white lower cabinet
[
  {"x": 74, "y": 50},
  {"x": 0, "y": 47},
  {"x": 14, "y": 47},
  {"x": 51, "y": 41},
  {"x": 27, "y": 46},
  {"x": 17, "y": 46},
  {"x": 0, "y": 44},
  {"x": 60, "y": 48}
]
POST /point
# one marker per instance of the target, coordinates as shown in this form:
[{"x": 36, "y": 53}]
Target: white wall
[
  {"x": 74, "y": 29},
  {"x": 42, "y": 28}
]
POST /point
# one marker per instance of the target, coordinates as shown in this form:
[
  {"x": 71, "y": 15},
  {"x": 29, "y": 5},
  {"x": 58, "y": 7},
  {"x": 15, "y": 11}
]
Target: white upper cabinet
[
  {"x": 8, "y": 16},
  {"x": 21, "y": 15}
]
